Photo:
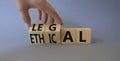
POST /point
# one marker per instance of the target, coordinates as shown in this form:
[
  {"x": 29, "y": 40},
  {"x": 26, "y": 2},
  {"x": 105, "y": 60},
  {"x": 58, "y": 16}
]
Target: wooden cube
[
  {"x": 36, "y": 32},
  {"x": 83, "y": 35},
  {"x": 68, "y": 36},
  {"x": 52, "y": 33}
]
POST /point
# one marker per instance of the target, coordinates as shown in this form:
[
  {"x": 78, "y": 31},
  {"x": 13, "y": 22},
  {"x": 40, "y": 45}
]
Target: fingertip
[
  {"x": 61, "y": 22},
  {"x": 27, "y": 25}
]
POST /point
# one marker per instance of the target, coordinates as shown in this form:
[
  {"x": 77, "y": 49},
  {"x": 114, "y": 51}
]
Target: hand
[{"x": 44, "y": 10}]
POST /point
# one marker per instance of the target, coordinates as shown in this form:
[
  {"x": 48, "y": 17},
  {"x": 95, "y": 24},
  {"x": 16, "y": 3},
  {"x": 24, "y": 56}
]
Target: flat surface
[{"x": 102, "y": 16}]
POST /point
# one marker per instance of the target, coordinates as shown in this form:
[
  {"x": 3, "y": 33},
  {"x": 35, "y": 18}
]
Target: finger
[
  {"x": 53, "y": 13},
  {"x": 51, "y": 20},
  {"x": 26, "y": 17},
  {"x": 57, "y": 18},
  {"x": 50, "y": 10},
  {"x": 39, "y": 14},
  {"x": 44, "y": 17}
]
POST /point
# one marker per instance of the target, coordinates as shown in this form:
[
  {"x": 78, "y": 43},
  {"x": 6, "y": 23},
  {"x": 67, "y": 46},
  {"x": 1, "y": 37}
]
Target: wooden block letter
[
  {"x": 52, "y": 33},
  {"x": 68, "y": 36},
  {"x": 83, "y": 35},
  {"x": 36, "y": 32}
]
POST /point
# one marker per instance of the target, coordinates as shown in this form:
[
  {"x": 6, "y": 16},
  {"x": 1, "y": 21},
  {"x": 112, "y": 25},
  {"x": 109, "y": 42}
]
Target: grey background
[{"x": 102, "y": 16}]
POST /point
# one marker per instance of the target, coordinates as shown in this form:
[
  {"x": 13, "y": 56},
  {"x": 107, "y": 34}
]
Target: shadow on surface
[{"x": 96, "y": 41}]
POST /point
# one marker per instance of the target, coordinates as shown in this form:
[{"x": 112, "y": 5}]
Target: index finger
[
  {"x": 54, "y": 14},
  {"x": 50, "y": 10},
  {"x": 26, "y": 17}
]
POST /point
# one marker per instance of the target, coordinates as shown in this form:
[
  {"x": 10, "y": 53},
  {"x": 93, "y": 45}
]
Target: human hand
[{"x": 44, "y": 10}]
